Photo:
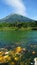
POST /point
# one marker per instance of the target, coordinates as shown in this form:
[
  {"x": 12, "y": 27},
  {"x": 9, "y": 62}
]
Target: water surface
[{"x": 23, "y": 37}]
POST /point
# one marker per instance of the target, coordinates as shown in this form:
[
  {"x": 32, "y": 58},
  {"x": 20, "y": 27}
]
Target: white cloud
[{"x": 18, "y": 6}]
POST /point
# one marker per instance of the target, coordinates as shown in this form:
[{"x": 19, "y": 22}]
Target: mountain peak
[{"x": 16, "y": 18}]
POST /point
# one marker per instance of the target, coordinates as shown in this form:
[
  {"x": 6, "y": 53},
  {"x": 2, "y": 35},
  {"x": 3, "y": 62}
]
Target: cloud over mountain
[{"x": 17, "y": 6}]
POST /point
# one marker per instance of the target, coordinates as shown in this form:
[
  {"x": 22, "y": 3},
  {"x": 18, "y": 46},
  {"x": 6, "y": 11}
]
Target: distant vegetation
[
  {"x": 17, "y": 22},
  {"x": 19, "y": 25}
]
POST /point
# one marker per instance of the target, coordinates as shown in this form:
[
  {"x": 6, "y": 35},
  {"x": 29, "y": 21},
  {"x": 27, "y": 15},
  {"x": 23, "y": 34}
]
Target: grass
[
  {"x": 14, "y": 28},
  {"x": 7, "y": 28}
]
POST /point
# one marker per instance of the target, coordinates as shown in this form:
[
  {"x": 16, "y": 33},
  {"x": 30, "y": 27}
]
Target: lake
[{"x": 20, "y": 37}]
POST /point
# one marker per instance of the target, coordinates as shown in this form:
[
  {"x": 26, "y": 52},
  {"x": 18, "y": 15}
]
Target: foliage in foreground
[{"x": 18, "y": 56}]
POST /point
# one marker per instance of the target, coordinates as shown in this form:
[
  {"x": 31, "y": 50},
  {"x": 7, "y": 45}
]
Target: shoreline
[{"x": 16, "y": 28}]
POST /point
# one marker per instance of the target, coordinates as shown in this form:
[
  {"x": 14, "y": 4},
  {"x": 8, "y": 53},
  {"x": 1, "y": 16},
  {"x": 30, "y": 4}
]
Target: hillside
[{"x": 14, "y": 18}]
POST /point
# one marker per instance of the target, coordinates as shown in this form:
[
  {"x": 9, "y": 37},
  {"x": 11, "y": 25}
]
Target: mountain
[{"x": 15, "y": 18}]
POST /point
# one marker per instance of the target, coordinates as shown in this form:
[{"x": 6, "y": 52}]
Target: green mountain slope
[{"x": 15, "y": 18}]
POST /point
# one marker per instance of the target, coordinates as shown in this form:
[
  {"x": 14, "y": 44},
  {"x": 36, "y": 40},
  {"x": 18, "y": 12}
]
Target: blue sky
[{"x": 26, "y": 8}]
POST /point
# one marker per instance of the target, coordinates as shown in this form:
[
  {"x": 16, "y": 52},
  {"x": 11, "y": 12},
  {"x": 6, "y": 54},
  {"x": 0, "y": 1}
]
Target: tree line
[{"x": 19, "y": 24}]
